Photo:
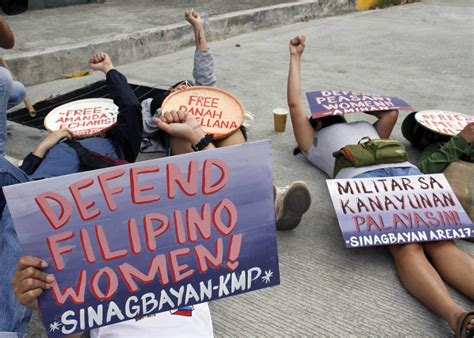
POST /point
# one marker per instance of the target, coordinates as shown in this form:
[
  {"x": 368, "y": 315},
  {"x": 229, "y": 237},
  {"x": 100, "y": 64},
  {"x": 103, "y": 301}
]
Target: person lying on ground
[
  {"x": 422, "y": 267},
  {"x": 203, "y": 74},
  {"x": 11, "y": 92},
  {"x": 454, "y": 158},
  {"x": 438, "y": 156},
  {"x": 291, "y": 202},
  {"x": 29, "y": 282},
  {"x": 53, "y": 158}
]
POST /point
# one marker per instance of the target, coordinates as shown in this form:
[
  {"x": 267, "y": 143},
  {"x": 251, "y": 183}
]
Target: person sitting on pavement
[
  {"x": 11, "y": 92},
  {"x": 421, "y": 267},
  {"x": 51, "y": 159},
  {"x": 291, "y": 202}
]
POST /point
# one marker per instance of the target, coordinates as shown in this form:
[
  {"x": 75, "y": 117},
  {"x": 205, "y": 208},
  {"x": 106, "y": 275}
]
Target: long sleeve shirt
[
  {"x": 203, "y": 74},
  {"x": 122, "y": 141},
  {"x": 437, "y": 157}
]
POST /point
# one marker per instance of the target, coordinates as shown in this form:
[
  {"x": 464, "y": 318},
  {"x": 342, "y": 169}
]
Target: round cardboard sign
[
  {"x": 443, "y": 122},
  {"x": 218, "y": 111},
  {"x": 83, "y": 118}
]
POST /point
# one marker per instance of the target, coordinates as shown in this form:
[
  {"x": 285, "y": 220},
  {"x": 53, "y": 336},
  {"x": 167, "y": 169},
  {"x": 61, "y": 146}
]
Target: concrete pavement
[
  {"x": 422, "y": 53},
  {"x": 57, "y": 41}
]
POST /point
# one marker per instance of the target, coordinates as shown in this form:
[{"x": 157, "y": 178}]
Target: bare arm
[
  {"x": 50, "y": 141},
  {"x": 183, "y": 125},
  {"x": 386, "y": 120},
  {"x": 302, "y": 129},
  {"x": 195, "y": 20},
  {"x": 29, "y": 282},
  {"x": 7, "y": 40}
]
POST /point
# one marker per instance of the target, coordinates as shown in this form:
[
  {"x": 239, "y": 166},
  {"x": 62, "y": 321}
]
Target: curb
[{"x": 50, "y": 64}]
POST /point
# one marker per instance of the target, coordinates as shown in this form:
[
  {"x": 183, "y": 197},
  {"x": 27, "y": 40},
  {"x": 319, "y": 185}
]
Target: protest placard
[
  {"x": 443, "y": 122},
  {"x": 83, "y": 118},
  {"x": 219, "y": 112},
  {"x": 398, "y": 210},
  {"x": 129, "y": 241},
  {"x": 333, "y": 102}
]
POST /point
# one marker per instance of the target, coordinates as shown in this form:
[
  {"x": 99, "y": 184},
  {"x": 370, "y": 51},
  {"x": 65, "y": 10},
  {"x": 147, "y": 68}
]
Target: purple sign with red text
[
  {"x": 398, "y": 210},
  {"x": 148, "y": 237},
  {"x": 334, "y": 102}
]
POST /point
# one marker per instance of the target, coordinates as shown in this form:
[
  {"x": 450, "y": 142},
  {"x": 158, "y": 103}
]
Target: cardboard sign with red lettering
[
  {"x": 148, "y": 237},
  {"x": 83, "y": 118},
  {"x": 219, "y": 112},
  {"x": 398, "y": 210},
  {"x": 334, "y": 102},
  {"x": 443, "y": 122}
]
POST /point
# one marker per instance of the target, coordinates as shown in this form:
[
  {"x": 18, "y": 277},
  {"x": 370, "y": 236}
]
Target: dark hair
[
  {"x": 327, "y": 121},
  {"x": 422, "y": 137},
  {"x": 158, "y": 100}
]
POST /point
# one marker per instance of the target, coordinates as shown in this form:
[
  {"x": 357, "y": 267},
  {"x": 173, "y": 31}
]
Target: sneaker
[{"x": 291, "y": 202}]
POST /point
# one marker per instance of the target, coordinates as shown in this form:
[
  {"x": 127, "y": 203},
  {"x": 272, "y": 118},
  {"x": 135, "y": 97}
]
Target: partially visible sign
[
  {"x": 133, "y": 240},
  {"x": 83, "y": 118},
  {"x": 333, "y": 102},
  {"x": 219, "y": 112},
  {"x": 443, "y": 122},
  {"x": 398, "y": 210}
]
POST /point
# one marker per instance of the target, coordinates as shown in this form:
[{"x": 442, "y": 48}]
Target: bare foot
[{"x": 465, "y": 325}]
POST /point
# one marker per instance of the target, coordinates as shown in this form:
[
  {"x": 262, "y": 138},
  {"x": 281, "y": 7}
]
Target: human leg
[
  {"x": 423, "y": 281},
  {"x": 454, "y": 265},
  {"x": 17, "y": 94},
  {"x": 9, "y": 175},
  {"x": 5, "y": 92},
  {"x": 13, "y": 316}
]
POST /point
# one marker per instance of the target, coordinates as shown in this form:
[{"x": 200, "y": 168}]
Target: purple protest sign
[
  {"x": 333, "y": 102},
  {"x": 398, "y": 210},
  {"x": 149, "y": 237}
]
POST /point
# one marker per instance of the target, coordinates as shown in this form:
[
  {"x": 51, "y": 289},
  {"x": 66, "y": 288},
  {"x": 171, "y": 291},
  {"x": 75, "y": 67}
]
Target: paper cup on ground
[{"x": 279, "y": 118}]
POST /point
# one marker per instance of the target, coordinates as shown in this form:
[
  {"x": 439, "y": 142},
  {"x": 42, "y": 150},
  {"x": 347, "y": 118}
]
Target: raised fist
[
  {"x": 193, "y": 17},
  {"x": 101, "y": 61},
  {"x": 179, "y": 124},
  {"x": 297, "y": 45}
]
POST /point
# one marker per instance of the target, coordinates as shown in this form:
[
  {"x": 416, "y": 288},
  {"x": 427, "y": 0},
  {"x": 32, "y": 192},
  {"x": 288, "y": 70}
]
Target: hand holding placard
[
  {"x": 51, "y": 140},
  {"x": 180, "y": 124},
  {"x": 148, "y": 237}
]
